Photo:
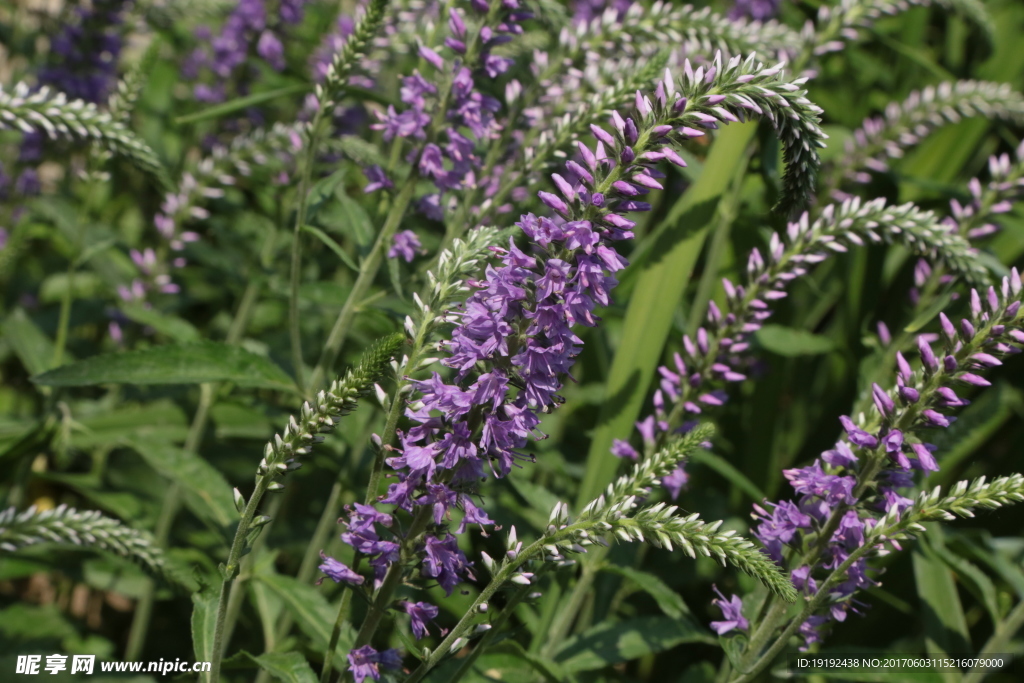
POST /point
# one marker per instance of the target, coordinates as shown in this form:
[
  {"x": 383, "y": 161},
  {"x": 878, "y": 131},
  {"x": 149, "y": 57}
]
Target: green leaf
[
  {"x": 310, "y": 609},
  {"x": 731, "y": 474},
  {"x": 207, "y": 494},
  {"x": 170, "y": 326},
  {"x": 172, "y": 364},
  {"x": 238, "y": 104},
  {"x": 547, "y": 669},
  {"x": 351, "y": 219},
  {"x": 789, "y": 342},
  {"x": 973, "y": 578},
  {"x": 332, "y": 245},
  {"x": 33, "y": 348},
  {"x": 204, "y": 621},
  {"x": 323, "y": 190},
  {"x": 943, "y": 615},
  {"x": 83, "y": 286},
  {"x": 290, "y": 667},
  {"x": 161, "y": 421},
  {"x": 607, "y": 644},
  {"x": 662, "y": 273},
  {"x": 670, "y": 602},
  {"x": 928, "y": 314}
]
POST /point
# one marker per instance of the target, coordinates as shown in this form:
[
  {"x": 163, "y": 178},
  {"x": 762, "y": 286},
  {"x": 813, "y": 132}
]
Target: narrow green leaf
[
  {"x": 172, "y": 364},
  {"x": 942, "y": 614},
  {"x": 204, "y": 621},
  {"x": 790, "y": 342},
  {"x": 332, "y": 245},
  {"x": 160, "y": 421},
  {"x": 310, "y": 609},
  {"x": 670, "y": 602},
  {"x": 170, "y": 326},
  {"x": 662, "y": 276},
  {"x": 973, "y": 578},
  {"x": 352, "y": 220},
  {"x": 207, "y": 494},
  {"x": 32, "y": 347},
  {"x": 238, "y": 104},
  {"x": 928, "y": 314},
  {"x": 612, "y": 643},
  {"x": 731, "y": 474},
  {"x": 289, "y": 667}
]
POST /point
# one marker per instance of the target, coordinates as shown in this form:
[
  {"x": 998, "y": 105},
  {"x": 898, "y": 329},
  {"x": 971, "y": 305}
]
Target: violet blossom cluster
[
  {"x": 82, "y": 63},
  {"x": 842, "y": 493},
  {"x": 514, "y": 343},
  {"x": 84, "y": 52},
  {"x": 249, "y": 29},
  {"x": 469, "y": 117}
]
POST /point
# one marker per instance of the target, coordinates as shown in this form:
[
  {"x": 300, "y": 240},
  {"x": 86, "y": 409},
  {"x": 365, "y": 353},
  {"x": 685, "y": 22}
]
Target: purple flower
[
  {"x": 378, "y": 179},
  {"x": 420, "y": 613},
  {"x": 675, "y": 482},
  {"x": 444, "y": 561},
  {"x": 856, "y": 435},
  {"x": 758, "y": 10},
  {"x": 338, "y": 572},
  {"x": 405, "y": 244},
  {"x": 622, "y": 449},
  {"x": 732, "y": 614},
  {"x": 365, "y": 662}
]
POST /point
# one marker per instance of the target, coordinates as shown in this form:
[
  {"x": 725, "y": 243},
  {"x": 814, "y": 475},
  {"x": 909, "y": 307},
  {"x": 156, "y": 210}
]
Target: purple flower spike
[
  {"x": 893, "y": 441},
  {"x": 925, "y": 459}
]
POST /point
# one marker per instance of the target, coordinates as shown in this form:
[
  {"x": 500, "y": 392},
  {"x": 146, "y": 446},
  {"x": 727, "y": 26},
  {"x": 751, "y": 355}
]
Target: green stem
[
  {"x": 309, "y": 160},
  {"x": 997, "y": 644},
  {"x": 231, "y": 570},
  {"x": 564, "y": 619},
  {"x": 367, "y": 273},
  {"x": 485, "y": 642},
  {"x": 339, "y": 622}
]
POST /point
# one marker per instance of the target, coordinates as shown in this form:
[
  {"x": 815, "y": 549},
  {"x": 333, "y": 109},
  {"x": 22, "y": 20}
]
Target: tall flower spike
[
  {"x": 843, "y": 493},
  {"x": 906, "y": 123},
  {"x": 514, "y": 342}
]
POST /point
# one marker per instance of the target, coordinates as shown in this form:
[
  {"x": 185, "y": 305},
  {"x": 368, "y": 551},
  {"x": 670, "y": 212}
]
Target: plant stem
[
  {"x": 367, "y": 273},
  {"x": 485, "y": 641},
  {"x": 339, "y": 622},
  {"x": 230, "y": 571},
  {"x": 309, "y": 160}
]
